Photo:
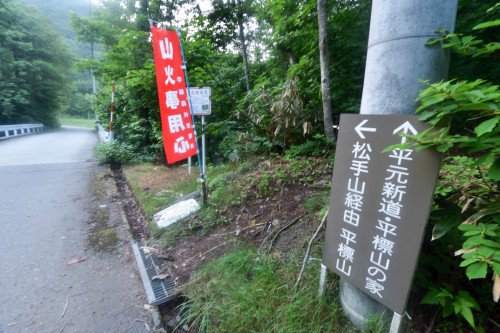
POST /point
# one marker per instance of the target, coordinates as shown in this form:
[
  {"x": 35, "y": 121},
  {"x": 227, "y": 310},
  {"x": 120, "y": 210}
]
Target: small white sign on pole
[
  {"x": 200, "y": 101},
  {"x": 201, "y": 106}
]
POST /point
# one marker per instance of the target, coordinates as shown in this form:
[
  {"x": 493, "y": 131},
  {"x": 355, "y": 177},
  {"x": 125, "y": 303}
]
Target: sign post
[
  {"x": 203, "y": 156},
  {"x": 200, "y": 101},
  {"x": 396, "y": 58},
  {"x": 111, "y": 135},
  {"x": 379, "y": 206}
]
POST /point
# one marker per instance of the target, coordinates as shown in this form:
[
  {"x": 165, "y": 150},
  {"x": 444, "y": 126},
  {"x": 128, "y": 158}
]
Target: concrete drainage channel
[
  {"x": 156, "y": 277},
  {"x": 140, "y": 264}
]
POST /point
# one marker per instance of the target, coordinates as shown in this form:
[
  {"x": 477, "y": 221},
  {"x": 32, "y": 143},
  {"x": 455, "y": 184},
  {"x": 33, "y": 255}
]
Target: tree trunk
[
  {"x": 243, "y": 45},
  {"x": 324, "y": 57}
]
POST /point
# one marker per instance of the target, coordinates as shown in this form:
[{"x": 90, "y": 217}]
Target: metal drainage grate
[{"x": 159, "y": 291}]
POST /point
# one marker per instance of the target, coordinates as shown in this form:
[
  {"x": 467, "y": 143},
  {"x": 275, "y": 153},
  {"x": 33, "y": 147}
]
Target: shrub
[{"x": 114, "y": 153}]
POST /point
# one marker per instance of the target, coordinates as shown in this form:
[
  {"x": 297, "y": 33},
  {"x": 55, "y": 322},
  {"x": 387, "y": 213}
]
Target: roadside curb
[{"x": 155, "y": 313}]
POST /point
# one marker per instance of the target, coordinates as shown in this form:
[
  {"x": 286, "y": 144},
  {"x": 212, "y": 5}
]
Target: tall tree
[
  {"x": 243, "y": 46},
  {"x": 293, "y": 47},
  {"x": 227, "y": 22},
  {"x": 122, "y": 29},
  {"x": 324, "y": 56},
  {"x": 78, "y": 102},
  {"x": 35, "y": 66}
]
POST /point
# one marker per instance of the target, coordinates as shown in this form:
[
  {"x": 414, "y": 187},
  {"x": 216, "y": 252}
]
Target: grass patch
[
  {"x": 170, "y": 235},
  {"x": 80, "y": 122},
  {"x": 317, "y": 201},
  {"x": 156, "y": 186},
  {"x": 103, "y": 240},
  {"x": 98, "y": 187},
  {"x": 247, "y": 292}
]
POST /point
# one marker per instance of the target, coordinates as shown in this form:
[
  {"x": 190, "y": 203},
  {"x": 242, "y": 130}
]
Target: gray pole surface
[{"x": 397, "y": 57}]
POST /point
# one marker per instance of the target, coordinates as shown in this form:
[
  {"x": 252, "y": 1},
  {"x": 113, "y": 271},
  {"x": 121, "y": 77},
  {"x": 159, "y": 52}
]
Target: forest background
[{"x": 260, "y": 58}]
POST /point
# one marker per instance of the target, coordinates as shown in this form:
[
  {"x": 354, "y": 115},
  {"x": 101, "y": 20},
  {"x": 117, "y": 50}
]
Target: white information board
[{"x": 200, "y": 101}]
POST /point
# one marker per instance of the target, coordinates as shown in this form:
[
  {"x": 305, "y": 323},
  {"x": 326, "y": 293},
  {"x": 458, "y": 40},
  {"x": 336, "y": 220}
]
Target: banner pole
[
  {"x": 111, "y": 136},
  {"x": 203, "y": 143},
  {"x": 202, "y": 176}
]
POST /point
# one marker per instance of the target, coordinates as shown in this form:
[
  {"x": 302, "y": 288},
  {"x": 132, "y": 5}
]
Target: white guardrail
[
  {"x": 8, "y": 131},
  {"x": 103, "y": 135}
]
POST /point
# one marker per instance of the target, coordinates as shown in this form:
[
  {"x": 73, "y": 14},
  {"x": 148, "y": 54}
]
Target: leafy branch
[{"x": 475, "y": 209}]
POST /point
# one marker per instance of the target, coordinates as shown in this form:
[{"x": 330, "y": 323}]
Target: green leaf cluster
[
  {"x": 465, "y": 119},
  {"x": 482, "y": 245},
  {"x": 479, "y": 102},
  {"x": 460, "y": 304},
  {"x": 127, "y": 61},
  {"x": 114, "y": 153}
]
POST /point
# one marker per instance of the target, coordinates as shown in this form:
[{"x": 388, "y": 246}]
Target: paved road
[{"x": 45, "y": 198}]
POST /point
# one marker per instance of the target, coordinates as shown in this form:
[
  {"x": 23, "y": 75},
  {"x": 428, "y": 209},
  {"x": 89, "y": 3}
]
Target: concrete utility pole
[{"x": 397, "y": 57}]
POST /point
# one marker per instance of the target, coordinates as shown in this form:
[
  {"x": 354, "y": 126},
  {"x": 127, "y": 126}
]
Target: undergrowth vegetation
[
  {"x": 462, "y": 189},
  {"x": 244, "y": 291},
  {"x": 154, "y": 191},
  {"x": 114, "y": 153}
]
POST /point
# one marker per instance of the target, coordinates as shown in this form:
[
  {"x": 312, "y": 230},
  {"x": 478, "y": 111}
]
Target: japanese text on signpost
[{"x": 379, "y": 205}]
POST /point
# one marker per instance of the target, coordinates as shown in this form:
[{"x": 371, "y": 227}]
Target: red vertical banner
[{"x": 178, "y": 136}]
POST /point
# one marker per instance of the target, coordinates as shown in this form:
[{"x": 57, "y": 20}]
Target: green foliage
[
  {"x": 316, "y": 203},
  {"x": 464, "y": 67},
  {"x": 460, "y": 304},
  {"x": 467, "y": 45},
  {"x": 440, "y": 101},
  {"x": 263, "y": 185},
  {"x": 465, "y": 117},
  {"x": 456, "y": 174},
  {"x": 294, "y": 40},
  {"x": 319, "y": 145},
  {"x": 478, "y": 100},
  {"x": 114, "y": 152},
  {"x": 299, "y": 170},
  {"x": 127, "y": 61},
  {"x": 482, "y": 245},
  {"x": 35, "y": 66},
  {"x": 462, "y": 183},
  {"x": 470, "y": 45},
  {"x": 277, "y": 116},
  {"x": 152, "y": 203},
  {"x": 284, "y": 106},
  {"x": 78, "y": 87},
  {"x": 243, "y": 291},
  {"x": 225, "y": 189},
  {"x": 228, "y": 194}
]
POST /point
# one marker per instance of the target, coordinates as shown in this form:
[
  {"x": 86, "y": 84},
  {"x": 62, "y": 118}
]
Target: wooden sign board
[{"x": 379, "y": 205}]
